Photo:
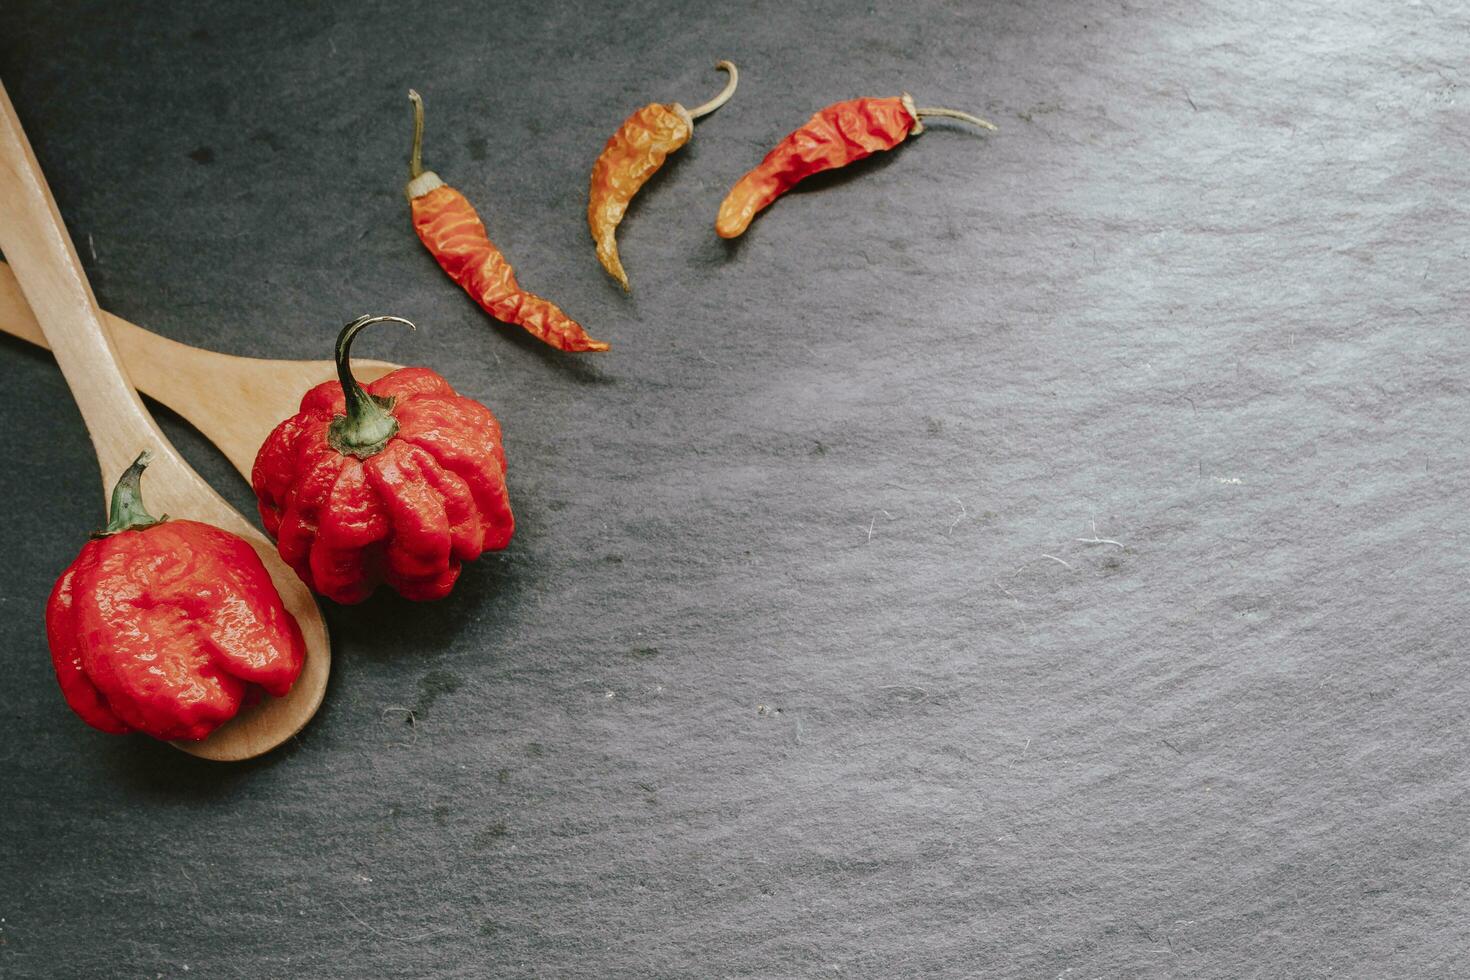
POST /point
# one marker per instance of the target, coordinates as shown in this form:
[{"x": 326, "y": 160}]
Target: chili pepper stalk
[
  {"x": 836, "y": 136},
  {"x": 452, "y": 231},
  {"x": 125, "y": 511},
  {"x": 367, "y": 422},
  {"x": 632, "y": 156}
]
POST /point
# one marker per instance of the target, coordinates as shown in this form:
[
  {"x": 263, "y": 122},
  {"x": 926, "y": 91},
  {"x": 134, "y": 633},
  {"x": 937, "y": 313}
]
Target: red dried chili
[
  {"x": 167, "y": 626},
  {"x": 451, "y": 230},
  {"x": 836, "y": 136}
]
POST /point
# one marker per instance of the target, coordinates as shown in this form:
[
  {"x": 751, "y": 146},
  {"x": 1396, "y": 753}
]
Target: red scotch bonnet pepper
[
  {"x": 166, "y": 626},
  {"x": 398, "y": 481}
]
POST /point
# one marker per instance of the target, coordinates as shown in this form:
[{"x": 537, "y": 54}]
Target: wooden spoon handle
[
  {"x": 234, "y": 401},
  {"x": 41, "y": 254},
  {"x": 16, "y": 317},
  {"x": 40, "y": 251}
]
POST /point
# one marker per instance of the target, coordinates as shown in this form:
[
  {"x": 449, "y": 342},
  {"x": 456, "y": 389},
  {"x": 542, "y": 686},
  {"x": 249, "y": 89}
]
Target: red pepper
[
  {"x": 454, "y": 234},
  {"x": 840, "y": 134},
  {"x": 166, "y": 626},
  {"x": 397, "y": 481}
]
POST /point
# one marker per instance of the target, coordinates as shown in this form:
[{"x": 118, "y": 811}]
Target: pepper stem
[
  {"x": 127, "y": 512},
  {"x": 416, "y": 158},
  {"x": 369, "y": 422},
  {"x": 920, "y": 113},
  {"x": 729, "y": 68}
]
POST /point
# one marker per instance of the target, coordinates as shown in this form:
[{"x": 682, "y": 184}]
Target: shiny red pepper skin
[
  {"x": 165, "y": 630},
  {"x": 407, "y": 514}
]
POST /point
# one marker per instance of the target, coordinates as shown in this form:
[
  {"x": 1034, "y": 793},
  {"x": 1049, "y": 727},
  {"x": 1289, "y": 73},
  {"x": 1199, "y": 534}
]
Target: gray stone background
[{"x": 800, "y": 664}]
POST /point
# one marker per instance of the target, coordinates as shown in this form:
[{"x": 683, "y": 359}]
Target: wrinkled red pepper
[
  {"x": 398, "y": 481},
  {"x": 167, "y": 626},
  {"x": 452, "y": 231},
  {"x": 836, "y": 136}
]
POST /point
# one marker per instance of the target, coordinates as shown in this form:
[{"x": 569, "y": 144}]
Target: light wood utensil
[
  {"x": 233, "y": 401},
  {"x": 40, "y": 251}
]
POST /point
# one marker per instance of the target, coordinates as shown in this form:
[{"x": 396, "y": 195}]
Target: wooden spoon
[
  {"x": 40, "y": 251},
  {"x": 233, "y": 401}
]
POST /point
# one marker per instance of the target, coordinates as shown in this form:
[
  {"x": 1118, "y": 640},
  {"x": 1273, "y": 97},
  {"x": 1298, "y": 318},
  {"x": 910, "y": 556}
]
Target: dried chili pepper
[
  {"x": 451, "y": 230},
  {"x": 634, "y": 154},
  {"x": 167, "y": 626},
  {"x": 397, "y": 481},
  {"x": 840, "y": 134}
]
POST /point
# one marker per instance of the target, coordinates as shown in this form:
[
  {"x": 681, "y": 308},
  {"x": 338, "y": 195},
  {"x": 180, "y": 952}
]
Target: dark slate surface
[{"x": 801, "y": 663}]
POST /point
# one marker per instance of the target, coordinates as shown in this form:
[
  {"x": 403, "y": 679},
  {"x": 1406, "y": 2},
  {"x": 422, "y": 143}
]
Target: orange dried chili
[
  {"x": 834, "y": 137},
  {"x": 452, "y": 232},
  {"x": 634, "y": 154}
]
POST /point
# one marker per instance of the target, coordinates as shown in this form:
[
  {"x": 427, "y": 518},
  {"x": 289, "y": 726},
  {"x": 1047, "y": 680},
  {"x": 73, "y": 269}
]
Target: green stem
[
  {"x": 127, "y": 512},
  {"x": 369, "y": 422}
]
